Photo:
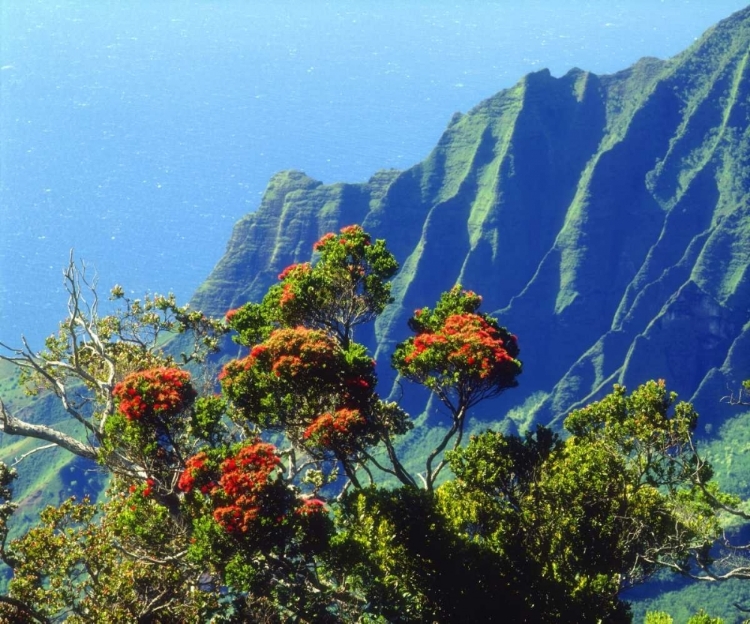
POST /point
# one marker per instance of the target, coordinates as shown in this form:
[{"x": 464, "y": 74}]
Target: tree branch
[
  {"x": 457, "y": 427},
  {"x": 11, "y": 425},
  {"x": 18, "y": 460},
  {"x": 25, "y": 359},
  {"x": 26, "y": 609}
]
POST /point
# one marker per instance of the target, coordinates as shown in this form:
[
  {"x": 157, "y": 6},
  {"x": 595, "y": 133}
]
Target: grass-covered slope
[
  {"x": 46, "y": 476},
  {"x": 606, "y": 219}
]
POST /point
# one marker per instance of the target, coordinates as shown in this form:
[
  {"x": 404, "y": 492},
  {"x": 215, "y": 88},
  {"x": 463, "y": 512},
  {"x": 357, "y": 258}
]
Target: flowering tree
[
  {"x": 266, "y": 501},
  {"x": 461, "y": 356},
  {"x": 148, "y": 434},
  {"x": 347, "y": 286},
  {"x": 90, "y": 354},
  {"x": 306, "y": 384}
]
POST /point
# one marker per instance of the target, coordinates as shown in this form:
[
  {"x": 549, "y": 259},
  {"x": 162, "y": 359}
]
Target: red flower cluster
[
  {"x": 300, "y": 268},
  {"x": 349, "y": 235},
  {"x": 335, "y": 430},
  {"x": 290, "y": 353},
  {"x": 230, "y": 314},
  {"x": 146, "y": 491},
  {"x": 292, "y": 271},
  {"x": 240, "y": 486},
  {"x": 422, "y": 343},
  {"x": 258, "y": 351},
  {"x": 311, "y": 507},
  {"x": 157, "y": 392},
  {"x": 287, "y": 294},
  {"x": 234, "y": 368},
  {"x": 250, "y": 500},
  {"x": 476, "y": 343},
  {"x": 149, "y": 487},
  {"x": 244, "y": 480},
  {"x": 357, "y": 382},
  {"x": 197, "y": 474},
  {"x": 323, "y": 240},
  {"x": 465, "y": 342}
]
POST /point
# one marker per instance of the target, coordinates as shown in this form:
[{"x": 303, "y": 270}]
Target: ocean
[{"x": 136, "y": 133}]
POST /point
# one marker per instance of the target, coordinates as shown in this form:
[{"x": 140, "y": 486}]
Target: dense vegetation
[{"x": 287, "y": 496}]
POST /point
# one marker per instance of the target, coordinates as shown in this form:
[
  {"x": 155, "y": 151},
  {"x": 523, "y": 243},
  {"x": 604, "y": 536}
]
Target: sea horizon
[{"x": 136, "y": 134}]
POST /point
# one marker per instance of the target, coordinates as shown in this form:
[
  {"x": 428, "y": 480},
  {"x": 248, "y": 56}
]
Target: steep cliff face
[{"x": 605, "y": 219}]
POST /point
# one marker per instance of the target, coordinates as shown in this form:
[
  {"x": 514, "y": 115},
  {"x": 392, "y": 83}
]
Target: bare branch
[
  {"x": 26, "y": 359},
  {"x": 11, "y": 425},
  {"x": 401, "y": 475},
  {"x": 741, "y": 398},
  {"x": 151, "y": 560},
  {"x": 18, "y": 460},
  {"x": 699, "y": 482},
  {"x": 458, "y": 417}
]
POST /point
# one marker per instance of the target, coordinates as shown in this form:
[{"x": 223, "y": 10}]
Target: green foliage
[
  {"x": 265, "y": 502},
  {"x": 462, "y": 356},
  {"x": 79, "y": 565},
  {"x": 681, "y": 601},
  {"x": 727, "y": 451},
  {"x": 207, "y": 419},
  {"x": 703, "y": 618},
  {"x": 597, "y": 512},
  {"x": 347, "y": 286},
  {"x": 563, "y": 526},
  {"x": 401, "y": 553},
  {"x": 7, "y": 506}
]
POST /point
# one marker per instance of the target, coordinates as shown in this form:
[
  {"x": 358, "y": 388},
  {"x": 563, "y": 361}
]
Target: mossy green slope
[{"x": 46, "y": 476}]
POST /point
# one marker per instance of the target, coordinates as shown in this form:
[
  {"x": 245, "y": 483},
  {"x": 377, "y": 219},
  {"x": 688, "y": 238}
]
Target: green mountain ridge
[{"x": 605, "y": 219}]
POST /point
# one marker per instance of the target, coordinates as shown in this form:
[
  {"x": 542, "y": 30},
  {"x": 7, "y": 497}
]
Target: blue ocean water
[{"x": 136, "y": 132}]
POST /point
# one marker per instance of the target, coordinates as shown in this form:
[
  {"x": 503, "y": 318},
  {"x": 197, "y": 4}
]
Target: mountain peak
[{"x": 593, "y": 213}]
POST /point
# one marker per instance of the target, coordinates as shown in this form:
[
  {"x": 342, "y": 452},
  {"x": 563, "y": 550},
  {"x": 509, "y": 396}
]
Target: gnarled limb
[
  {"x": 17, "y": 460},
  {"x": 82, "y": 364},
  {"x": 54, "y": 374},
  {"x": 14, "y": 426},
  {"x": 63, "y": 368},
  {"x": 742, "y": 397}
]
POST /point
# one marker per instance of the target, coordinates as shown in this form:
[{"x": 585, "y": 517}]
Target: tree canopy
[{"x": 278, "y": 490}]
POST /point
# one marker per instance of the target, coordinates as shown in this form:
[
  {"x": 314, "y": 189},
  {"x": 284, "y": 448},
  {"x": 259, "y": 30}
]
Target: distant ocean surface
[{"x": 138, "y": 132}]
